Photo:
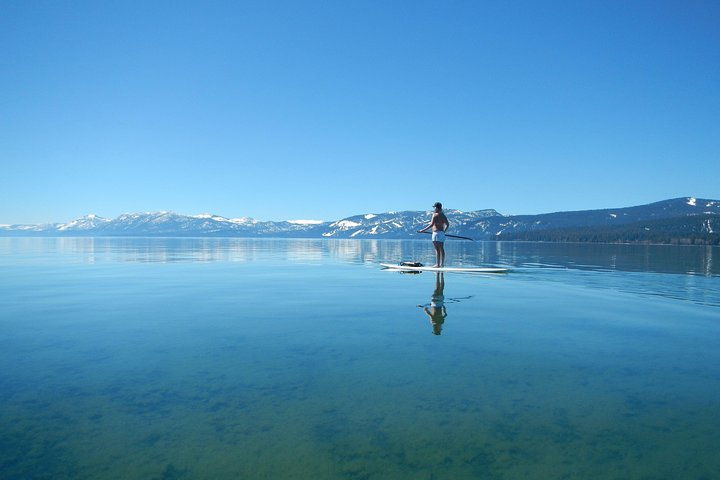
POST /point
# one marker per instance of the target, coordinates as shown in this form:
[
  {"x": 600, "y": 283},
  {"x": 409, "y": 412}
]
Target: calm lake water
[{"x": 137, "y": 358}]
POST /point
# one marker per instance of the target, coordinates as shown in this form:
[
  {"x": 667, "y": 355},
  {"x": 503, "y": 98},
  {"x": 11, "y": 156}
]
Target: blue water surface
[{"x": 152, "y": 358}]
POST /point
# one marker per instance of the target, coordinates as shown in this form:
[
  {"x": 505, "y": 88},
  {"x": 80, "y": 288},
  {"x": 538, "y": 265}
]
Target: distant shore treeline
[{"x": 696, "y": 230}]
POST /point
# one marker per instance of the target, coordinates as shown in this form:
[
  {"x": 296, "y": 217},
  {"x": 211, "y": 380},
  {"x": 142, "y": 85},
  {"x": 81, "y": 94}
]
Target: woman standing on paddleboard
[{"x": 439, "y": 224}]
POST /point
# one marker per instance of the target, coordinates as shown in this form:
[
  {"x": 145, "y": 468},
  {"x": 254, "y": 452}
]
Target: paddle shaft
[{"x": 453, "y": 236}]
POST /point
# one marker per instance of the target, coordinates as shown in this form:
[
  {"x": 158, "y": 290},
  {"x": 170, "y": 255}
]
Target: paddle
[{"x": 452, "y": 236}]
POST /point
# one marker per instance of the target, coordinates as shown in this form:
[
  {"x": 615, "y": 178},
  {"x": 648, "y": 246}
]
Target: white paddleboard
[{"x": 445, "y": 269}]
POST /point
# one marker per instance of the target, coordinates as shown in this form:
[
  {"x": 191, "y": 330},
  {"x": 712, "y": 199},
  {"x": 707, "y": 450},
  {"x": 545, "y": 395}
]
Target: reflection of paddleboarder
[{"x": 436, "y": 311}]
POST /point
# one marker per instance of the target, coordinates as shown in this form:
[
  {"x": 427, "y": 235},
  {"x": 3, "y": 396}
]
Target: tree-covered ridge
[{"x": 692, "y": 230}]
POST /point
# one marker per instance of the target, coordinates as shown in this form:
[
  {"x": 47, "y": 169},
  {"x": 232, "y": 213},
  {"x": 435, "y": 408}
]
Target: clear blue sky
[{"x": 325, "y": 109}]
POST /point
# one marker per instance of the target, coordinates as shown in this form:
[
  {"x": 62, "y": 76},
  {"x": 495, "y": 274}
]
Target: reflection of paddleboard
[{"x": 421, "y": 268}]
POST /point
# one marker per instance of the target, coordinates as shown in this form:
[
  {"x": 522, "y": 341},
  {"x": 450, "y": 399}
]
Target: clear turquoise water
[{"x": 235, "y": 358}]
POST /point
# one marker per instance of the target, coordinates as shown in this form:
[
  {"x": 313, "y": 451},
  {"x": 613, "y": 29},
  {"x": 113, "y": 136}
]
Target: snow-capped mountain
[
  {"x": 400, "y": 224},
  {"x": 479, "y": 224},
  {"x": 161, "y": 224},
  {"x": 88, "y": 222}
]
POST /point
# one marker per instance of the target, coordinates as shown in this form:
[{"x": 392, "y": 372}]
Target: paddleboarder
[{"x": 439, "y": 224}]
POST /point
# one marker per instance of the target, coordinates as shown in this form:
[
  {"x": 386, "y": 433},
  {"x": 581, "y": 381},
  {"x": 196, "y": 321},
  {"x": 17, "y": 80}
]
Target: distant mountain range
[{"x": 680, "y": 220}]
